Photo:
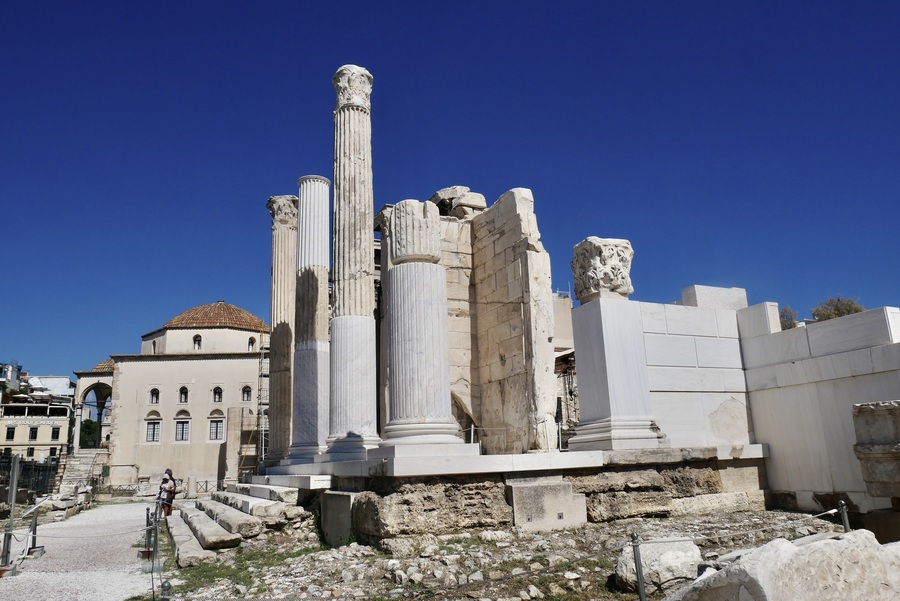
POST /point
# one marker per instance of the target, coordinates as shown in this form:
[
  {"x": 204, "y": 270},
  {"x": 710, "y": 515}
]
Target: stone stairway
[
  {"x": 243, "y": 512},
  {"x": 81, "y": 468}
]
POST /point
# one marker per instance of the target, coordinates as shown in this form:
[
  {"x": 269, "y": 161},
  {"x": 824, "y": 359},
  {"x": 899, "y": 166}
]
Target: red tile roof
[
  {"x": 218, "y": 315},
  {"x": 105, "y": 366}
]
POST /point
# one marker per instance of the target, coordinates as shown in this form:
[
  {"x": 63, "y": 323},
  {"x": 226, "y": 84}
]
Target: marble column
[
  {"x": 353, "y": 426},
  {"x": 416, "y": 290},
  {"x": 281, "y": 340},
  {"x": 613, "y": 386},
  {"x": 311, "y": 352}
]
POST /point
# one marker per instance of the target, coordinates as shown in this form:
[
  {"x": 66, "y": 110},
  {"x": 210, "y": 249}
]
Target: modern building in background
[{"x": 191, "y": 400}]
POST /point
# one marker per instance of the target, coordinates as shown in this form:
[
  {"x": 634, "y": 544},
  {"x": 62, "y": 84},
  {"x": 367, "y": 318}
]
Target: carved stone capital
[
  {"x": 353, "y": 86},
  {"x": 283, "y": 209},
  {"x": 602, "y": 267},
  {"x": 415, "y": 232}
]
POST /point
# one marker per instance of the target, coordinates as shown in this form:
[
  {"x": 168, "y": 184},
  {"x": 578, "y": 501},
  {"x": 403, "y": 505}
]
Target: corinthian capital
[
  {"x": 283, "y": 209},
  {"x": 353, "y": 86},
  {"x": 601, "y": 267}
]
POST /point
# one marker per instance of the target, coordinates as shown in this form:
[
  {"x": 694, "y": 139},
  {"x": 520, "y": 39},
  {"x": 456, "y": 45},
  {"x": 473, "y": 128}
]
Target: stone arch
[{"x": 94, "y": 401}]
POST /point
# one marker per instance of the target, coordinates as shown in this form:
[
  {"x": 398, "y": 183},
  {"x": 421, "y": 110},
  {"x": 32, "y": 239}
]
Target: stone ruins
[{"x": 421, "y": 396}]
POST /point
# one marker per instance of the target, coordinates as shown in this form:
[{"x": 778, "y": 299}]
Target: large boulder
[
  {"x": 665, "y": 563},
  {"x": 847, "y": 566}
]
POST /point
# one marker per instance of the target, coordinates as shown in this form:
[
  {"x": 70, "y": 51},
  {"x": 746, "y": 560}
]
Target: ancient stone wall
[
  {"x": 679, "y": 483},
  {"x": 514, "y": 327},
  {"x": 456, "y": 257}
]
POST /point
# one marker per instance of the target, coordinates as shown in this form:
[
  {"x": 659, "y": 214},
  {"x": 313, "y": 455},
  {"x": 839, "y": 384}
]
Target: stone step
[
  {"x": 208, "y": 532},
  {"x": 256, "y": 506},
  {"x": 188, "y": 550},
  {"x": 233, "y": 520},
  {"x": 285, "y": 494},
  {"x": 307, "y": 482}
]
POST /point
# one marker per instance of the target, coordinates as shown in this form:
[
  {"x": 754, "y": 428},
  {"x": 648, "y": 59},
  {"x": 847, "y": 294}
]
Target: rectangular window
[
  {"x": 10, "y": 432},
  {"x": 32, "y": 433},
  {"x": 182, "y": 431},
  {"x": 54, "y": 433},
  {"x": 53, "y": 451},
  {"x": 216, "y": 429},
  {"x": 29, "y": 452},
  {"x": 7, "y": 452},
  {"x": 153, "y": 431}
]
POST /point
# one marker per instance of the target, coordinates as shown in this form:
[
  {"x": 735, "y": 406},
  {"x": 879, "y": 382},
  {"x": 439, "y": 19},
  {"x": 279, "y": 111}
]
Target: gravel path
[{"x": 90, "y": 557}]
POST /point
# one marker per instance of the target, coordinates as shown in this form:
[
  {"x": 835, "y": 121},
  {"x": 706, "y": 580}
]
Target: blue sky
[{"x": 735, "y": 144}]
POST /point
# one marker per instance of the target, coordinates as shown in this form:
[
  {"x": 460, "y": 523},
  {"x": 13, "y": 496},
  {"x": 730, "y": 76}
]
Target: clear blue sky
[{"x": 735, "y": 144}]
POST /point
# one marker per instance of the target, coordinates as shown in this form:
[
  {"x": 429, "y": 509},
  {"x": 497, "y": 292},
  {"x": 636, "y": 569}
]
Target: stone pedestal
[
  {"x": 281, "y": 341},
  {"x": 416, "y": 291},
  {"x": 877, "y": 447},
  {"x": 613, "y": 388},
  {"x": 353, "y": 426},
  {"x": 312, "y": 362}
]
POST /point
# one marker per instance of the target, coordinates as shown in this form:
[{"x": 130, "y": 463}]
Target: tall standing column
[
  {"x": 281, "y": 341},
  {"x": 311, "y": 353},
  {"x": 353, "y": 426},
  {"x": 613, "y": 385},
  {"x": 416, "y": 289}
]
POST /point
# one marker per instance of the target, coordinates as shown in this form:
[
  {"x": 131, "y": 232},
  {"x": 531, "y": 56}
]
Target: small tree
[
  {"x": 788, "y": 318},
  {"x": 88, "y": 437},
  {"x": 836, "y": 306}
]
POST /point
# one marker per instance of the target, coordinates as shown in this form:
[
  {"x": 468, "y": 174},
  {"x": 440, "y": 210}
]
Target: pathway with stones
[{"x": 92, "y": 556}]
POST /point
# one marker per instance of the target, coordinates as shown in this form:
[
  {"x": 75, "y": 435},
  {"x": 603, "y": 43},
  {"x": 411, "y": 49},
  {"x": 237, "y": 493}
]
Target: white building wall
[
  {"x": 697, "y": 388},
  {"x": 181, "y": 341},
  {"x": 132, "y": 456},
  {"x": 802, "y": 386}
]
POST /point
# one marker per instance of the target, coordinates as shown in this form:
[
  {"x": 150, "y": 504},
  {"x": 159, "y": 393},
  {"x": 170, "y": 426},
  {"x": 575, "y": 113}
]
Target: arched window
[
  {"x": 154, "y": 396},
  {"x": 246, "y": 394},
  {"x": 198, "y": 342},
  {"x": 217, "y": 395},
  {"x": 216, "y": 425},
  {"x": 153, "y": 344},
  {"x": 182, "y": 426},
  {"x": 251, "y": 344},
  {"x": 183, "y": 394},
  {"x": 154, "y": 427}
]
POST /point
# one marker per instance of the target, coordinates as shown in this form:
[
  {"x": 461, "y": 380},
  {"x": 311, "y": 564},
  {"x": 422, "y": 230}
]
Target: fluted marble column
[
  {"x": 353, "y": 426},
  {"x": 311, "y": 353},
  {"x": 281, "y": 342},
  {"x": 416, "y": 290}
]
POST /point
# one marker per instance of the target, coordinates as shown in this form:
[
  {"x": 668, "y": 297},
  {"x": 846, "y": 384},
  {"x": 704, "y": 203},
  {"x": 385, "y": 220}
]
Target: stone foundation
[{"x": 390, "y": 507}]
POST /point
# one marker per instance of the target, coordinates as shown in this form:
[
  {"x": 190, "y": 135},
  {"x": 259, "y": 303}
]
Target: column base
[
  {"x": 304, "y": 454},
  {"x": 427, "y": 433},
  {"x": 350, "y": 448},
  {"x": 614, "y": 434}
]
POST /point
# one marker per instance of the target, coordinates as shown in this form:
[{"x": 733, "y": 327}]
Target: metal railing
[{"x": 37, "y": 477}]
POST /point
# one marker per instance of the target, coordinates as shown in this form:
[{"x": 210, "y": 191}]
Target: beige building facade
[
  {"x": 190, "y": 401},
  {"x": 36, "y": 431}
]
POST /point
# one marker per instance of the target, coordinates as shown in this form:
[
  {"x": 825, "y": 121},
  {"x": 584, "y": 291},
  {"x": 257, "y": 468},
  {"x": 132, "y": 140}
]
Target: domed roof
[{"x": 218, "y": 315}]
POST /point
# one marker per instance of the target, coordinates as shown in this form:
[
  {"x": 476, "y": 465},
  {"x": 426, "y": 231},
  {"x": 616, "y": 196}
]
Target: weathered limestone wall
[
  {"x": 456, "y": 257},
  {"x": 514, "y": 327},
  {"x": 634, "y": 484}
]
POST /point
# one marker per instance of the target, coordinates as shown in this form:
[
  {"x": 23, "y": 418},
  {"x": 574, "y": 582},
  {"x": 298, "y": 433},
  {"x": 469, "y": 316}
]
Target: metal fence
[{"x": 38, "y": 477}]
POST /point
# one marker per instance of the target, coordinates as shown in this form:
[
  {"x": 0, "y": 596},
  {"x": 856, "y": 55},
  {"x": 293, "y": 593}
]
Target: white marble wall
[
  {"x": 802, "y": 386},
  {"x": 694, "y": 369}
]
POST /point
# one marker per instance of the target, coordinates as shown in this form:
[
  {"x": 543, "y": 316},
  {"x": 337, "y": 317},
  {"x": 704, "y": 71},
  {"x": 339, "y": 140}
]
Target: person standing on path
[{"x": 166, "y": 495}]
